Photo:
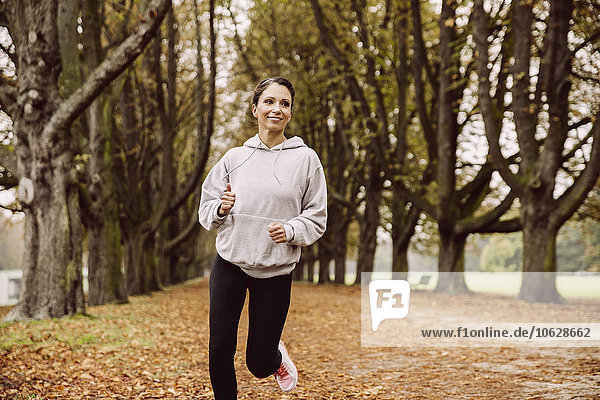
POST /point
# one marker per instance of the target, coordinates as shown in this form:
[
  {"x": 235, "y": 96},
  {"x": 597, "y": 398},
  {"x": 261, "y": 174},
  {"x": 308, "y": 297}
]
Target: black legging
[{"x": 268, "y": 307}]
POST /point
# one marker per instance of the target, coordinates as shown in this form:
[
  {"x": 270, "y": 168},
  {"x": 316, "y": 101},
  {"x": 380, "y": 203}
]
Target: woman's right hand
[{"x": 227, "y": 201}]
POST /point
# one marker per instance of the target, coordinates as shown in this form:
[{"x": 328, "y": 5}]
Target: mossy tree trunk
[{"x": 105, "y": 277}]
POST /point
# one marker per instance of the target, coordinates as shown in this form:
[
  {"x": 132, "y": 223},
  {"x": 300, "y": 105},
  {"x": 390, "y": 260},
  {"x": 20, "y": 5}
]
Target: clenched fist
[
  {"x": 277, "y": 232},
  {"x": 227, "y": 201}
]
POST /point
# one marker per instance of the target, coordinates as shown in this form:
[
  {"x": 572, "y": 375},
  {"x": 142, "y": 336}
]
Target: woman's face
[{"x": 273, "y": 109}]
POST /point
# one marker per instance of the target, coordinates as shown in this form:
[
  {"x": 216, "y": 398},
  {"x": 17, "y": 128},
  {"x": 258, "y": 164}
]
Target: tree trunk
[
  {"x": 451, "y": 263},
  {"x": 340, "y": 249},
  {"x": 370, "y": 222},
  {"x": 52, "y": 284},
  {"x": 333, "y": 244},
  {"x": 106, "y": 280},
  {"x": 298, "y": 274},
  {"x": 403, "y": 228},
  {"x": 539, "y": 252},
  {"x": 134, "y": 264},
  {"x": 325, "y": 257},
  {"x": 400, "y": 258},
  {"x": 308, "y": 258},
  {"x": 368, "y": 244},
  {"x": 152, "y": 266},
  {"x": 310, "y": 270},
  {"x": 52, "y": 279}
]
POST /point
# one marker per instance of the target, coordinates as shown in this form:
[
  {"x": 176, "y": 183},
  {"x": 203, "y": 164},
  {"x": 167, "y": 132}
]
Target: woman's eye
[
  {"x": 268, "y": 101},
  {"x": 285, "y": 104}
]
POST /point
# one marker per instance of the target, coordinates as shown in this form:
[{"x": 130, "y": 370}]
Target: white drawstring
[
  {"x": 276, "y": 158},
  {"x": 272, "y": 165},
  {"x": 242, "y": 163}
]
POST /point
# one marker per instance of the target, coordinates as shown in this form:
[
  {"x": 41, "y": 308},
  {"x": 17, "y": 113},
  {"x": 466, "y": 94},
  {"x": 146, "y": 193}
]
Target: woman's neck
[{"x": 272, "y": 139}]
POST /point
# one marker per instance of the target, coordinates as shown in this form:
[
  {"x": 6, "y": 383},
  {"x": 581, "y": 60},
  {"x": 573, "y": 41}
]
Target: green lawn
[{"x": 508, "y": 283}]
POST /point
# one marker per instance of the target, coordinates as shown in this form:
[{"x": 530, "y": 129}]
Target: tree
[
  {"x": 51, "y": 285},
  {"x": 158, "y": 172},
  {"x": 369, "y": 171},
  {"x": 461, "y": 204},
  {"x": 101, "y": 216},
  {"x": 542, "y": 112}
]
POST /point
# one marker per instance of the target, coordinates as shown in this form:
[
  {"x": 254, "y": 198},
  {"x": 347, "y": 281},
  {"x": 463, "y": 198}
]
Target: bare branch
[
  {"x": 507, "y": 226},
  {"x": 190, "y": 228},
  {"x": 238, "y": 42},
  {"x": 419, "y": 64},
  {"x": 574, "y": 196},
  {"x": 420, "y": 53},
  {"x": 482, "y": 223},
  {"x": 492, "y": 117},
  {"x": 578, "y": 146},
  {"x": 203, "y": 137}
]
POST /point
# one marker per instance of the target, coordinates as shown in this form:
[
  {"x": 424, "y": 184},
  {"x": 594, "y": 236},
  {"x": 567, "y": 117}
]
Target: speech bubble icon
[{"x": 389, "y": 299}]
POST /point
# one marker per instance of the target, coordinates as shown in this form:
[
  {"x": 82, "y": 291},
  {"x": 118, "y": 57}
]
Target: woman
[{"x": 266, "y": 199}]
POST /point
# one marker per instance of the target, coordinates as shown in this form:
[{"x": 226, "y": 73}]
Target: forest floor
[{"x": 157, "y": 347}]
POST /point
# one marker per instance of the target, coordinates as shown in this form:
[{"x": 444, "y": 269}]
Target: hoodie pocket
[{"x": 245, "y": 240}]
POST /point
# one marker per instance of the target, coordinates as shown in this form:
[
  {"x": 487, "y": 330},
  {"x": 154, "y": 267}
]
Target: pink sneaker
[{"x": 287, "y": 374}]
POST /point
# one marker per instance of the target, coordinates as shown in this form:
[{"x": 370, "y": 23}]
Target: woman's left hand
[{"x": 277, "y": 232}]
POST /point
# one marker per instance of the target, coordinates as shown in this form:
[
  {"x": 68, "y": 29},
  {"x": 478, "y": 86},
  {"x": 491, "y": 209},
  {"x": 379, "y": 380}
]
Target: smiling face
[{"x": 273, "y": 110}]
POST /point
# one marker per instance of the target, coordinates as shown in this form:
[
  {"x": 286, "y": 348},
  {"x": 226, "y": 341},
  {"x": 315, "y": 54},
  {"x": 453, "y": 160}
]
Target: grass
[
  {"x": 509, "y": 283},
  {"x": 570, "y": 286},
  {"x": 75, "y": 332}
]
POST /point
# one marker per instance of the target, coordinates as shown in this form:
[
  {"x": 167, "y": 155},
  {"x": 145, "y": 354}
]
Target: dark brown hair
[{"x": 260, "y": 88}]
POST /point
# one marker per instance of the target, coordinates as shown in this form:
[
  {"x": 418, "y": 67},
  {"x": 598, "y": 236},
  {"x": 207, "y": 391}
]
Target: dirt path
[{"x": 157, "y": 347}]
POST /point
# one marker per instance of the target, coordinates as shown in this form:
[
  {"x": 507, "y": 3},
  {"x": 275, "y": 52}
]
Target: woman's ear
[{"x": 254, "y": 111}]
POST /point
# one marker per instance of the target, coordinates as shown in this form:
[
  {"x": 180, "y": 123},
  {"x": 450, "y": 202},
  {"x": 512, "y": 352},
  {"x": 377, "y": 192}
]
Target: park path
[{"x": 157, "y": 347}]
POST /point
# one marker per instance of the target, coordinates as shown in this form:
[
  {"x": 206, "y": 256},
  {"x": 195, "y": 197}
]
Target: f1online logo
[{"x": 389, "y": 299}]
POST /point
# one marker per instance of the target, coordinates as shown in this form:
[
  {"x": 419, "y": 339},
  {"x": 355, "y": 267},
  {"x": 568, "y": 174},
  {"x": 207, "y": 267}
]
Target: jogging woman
[{"x": 265, "y": 199}]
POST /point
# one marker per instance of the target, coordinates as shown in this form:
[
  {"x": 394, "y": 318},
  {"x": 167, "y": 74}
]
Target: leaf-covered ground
[{"x": 157, "y": 347}]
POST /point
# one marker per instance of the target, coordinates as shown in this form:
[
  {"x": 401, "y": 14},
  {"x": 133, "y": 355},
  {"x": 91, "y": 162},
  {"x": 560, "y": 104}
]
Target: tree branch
[
  {"x": 479, "y": 224},
  {"x": 355, "y": 90},
  {"x": 583, "y": 141},
  {"x": 238, "y": 42},
  {"x": 419, "y": 64},
  {"x": 414, "y": 197},
  {"x": 507, "y": 226},
  {"x": 109, "y": 69},
  {"x": 419, "y": 43},
  {"x": 203, "y": 143},
  {"x": 492, "y": 117},
  {"x": 580, "y": 123},
  {"x": 188, "y": 230},
  {"x": 574, "y": 196}
]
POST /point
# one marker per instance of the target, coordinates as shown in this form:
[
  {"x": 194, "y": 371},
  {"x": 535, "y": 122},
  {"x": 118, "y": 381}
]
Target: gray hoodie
[{"x": 283, "y": 184}]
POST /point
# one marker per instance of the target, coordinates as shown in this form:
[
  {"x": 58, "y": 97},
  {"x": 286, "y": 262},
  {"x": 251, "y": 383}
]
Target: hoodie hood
[
  {"x": 291, "y": 143},
  {"x": 257, "y": 144}
]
